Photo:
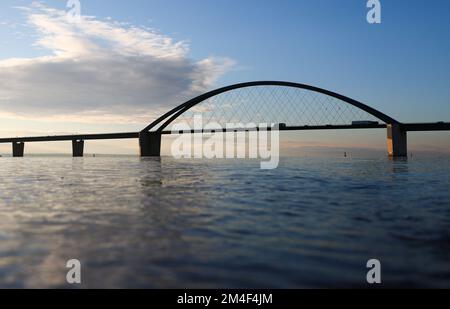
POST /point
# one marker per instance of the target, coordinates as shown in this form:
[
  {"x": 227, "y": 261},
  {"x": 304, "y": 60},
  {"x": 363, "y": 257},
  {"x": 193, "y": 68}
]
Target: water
[{"x": 313, "y": 222}]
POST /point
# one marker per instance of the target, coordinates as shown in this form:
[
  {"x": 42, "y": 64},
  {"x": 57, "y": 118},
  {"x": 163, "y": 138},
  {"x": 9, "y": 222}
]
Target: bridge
[{"x": 293, "y": 106}]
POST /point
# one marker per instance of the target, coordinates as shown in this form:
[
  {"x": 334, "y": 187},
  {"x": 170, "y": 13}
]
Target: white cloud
[{"x": 101, "y": 71}]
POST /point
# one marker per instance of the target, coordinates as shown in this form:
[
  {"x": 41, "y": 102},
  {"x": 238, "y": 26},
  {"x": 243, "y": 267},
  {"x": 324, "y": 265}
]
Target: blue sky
[{"x": 401, "y": 66}]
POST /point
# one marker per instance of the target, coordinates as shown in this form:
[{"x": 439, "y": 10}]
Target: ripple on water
[{"x": 313, "y": 222}]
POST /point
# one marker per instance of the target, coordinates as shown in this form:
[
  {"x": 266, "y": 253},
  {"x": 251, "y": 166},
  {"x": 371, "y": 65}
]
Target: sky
[{"x": 126, "y": 62}]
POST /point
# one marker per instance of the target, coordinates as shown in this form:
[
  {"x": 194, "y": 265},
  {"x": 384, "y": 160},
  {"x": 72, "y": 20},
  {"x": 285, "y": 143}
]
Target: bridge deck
[
  {"x": 438, "y": 126},
  {"x": 59, "y": 138},
  {"x": 132, "y": 135}
]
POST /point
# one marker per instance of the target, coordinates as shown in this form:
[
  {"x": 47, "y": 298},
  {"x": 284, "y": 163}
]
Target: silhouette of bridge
[{"x": 294, "y": 107}]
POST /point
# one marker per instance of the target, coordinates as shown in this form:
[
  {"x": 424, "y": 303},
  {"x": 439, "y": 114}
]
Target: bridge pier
[
  {"x": 18, "y": 149},
  {"x": 397, "y": 141},
  {"x": 150, "y": 144},
  {"x": 78, "y": 148}
]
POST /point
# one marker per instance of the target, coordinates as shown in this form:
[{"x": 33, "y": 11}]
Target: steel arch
[{"x": 172, "y": 115}]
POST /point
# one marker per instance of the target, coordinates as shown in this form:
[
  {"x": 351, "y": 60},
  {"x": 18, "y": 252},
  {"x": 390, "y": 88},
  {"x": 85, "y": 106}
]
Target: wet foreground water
[{"x": 164, "y": 223}]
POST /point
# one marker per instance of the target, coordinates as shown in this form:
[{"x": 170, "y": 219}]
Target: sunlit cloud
[{"x": 100, "y": 71}]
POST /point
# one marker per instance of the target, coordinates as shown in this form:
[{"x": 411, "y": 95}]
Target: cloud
[{"x": 101, "y": 71}]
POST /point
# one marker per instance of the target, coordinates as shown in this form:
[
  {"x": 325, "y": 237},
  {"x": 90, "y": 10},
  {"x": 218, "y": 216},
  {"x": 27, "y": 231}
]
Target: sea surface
[{"x": 166, "y": 223}]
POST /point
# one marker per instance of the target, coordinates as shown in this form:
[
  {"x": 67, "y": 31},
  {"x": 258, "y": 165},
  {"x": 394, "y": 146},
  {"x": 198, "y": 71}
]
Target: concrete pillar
[
  {"x": 78, "y": 148},
  {"x": 397, "y": 141},
  {"x": 18, "y": 149},
  {"x": 150, "y": 144}
]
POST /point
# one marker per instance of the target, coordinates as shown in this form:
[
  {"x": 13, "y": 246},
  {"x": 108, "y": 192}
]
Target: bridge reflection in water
[{"x": 296, "y": 107}]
